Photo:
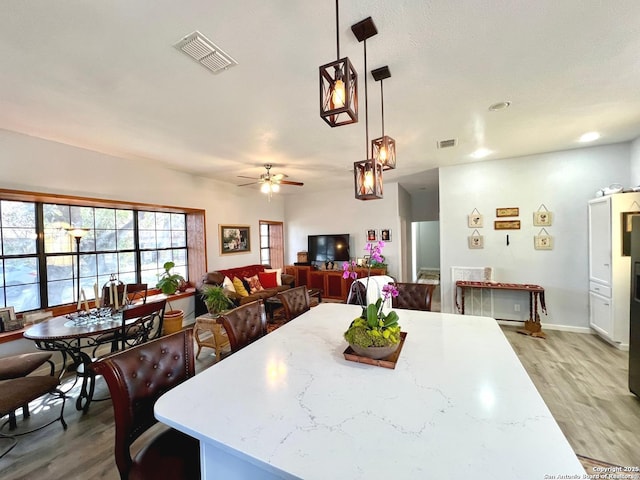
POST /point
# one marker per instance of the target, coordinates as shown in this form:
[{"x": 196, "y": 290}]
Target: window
[
  {"x": 271, "y": 244},
  {"x": 38, "y": 258}
]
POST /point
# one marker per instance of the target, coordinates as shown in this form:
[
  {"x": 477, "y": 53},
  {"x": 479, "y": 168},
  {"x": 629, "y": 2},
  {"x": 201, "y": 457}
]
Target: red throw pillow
[{"x": 268, "y": 280}]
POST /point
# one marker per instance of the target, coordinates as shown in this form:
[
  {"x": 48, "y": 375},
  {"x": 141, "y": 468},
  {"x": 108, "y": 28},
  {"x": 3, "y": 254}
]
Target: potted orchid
[{"x": 374, "y": 334}]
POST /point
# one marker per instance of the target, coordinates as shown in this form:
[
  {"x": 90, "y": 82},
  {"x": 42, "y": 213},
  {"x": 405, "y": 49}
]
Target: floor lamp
[{"x": 77, "y": 233}]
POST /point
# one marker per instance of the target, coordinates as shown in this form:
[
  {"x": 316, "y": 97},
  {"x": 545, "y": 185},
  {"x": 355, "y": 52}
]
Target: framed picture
[
  {"x": 507, "y": 212},
  {"x": 371, "y": 236},
  {"x": 542, "y": 219},
  {"x": 474, "y": 220},
  {"x": 506, "y": 225},
  {"x": 8, "y": 320},
  {"x": 476, "y": 241},
  {"x": 235, "y": 239},
  {"x": 385, "y": 235},
  {"x": 543, "y": 242}
]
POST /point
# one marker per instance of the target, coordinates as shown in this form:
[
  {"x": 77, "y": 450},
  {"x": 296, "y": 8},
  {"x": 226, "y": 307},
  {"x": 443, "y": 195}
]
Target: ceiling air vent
[
  {"x": 205, "y": 52},
  {"x": 447, "y": 143}
]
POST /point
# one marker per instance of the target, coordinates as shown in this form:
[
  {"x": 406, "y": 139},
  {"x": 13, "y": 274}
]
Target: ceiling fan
[{"x": 270, "y": 181}]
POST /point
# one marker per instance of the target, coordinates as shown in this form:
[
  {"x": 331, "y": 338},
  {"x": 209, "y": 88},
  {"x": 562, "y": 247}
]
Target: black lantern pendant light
[
  {"x": 367, "y": 174},
  {"x": 383, "y": 148},
  {"x": 338, "y": 88}
]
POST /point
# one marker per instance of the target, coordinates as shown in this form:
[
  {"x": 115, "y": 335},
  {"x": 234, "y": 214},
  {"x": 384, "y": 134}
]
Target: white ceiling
[{"x": 104, "y": 75}]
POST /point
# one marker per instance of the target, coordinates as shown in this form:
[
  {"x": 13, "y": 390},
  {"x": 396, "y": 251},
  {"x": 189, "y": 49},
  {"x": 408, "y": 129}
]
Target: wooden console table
[{"x": 536, "y": 293}]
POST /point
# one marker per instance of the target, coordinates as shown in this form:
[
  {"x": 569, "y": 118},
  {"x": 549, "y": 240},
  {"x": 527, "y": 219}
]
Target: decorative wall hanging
[
  {"x": 543, "y": 217},
  {"x": 543, "y": 241},
  {"x": 506, "y": 225},
  {"x": 476, "y": 240},
  {"x": 385, "y": 235},
  {"x": 507, "y": 212},
  {"x": 474, "y": 219},
  {"x": 235, "y": 239}
]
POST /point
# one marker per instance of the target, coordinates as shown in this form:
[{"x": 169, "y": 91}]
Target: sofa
[{"x": 218, "y": 278}]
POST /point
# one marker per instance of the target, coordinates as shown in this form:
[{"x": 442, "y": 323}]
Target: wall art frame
[
  {"x": 506, "y": 225},
  {"x": 508, "y": 212},
  {"x": 234, "y": 239}
]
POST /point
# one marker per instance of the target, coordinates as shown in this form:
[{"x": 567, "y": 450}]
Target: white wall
[
  {"x": 32, "y": 164},
  {"x": 563, "y": 181},
  {"x": 337, "y": 211},
  {"x": 427, "y": 247},
  {"x": 635, "y": 163}
]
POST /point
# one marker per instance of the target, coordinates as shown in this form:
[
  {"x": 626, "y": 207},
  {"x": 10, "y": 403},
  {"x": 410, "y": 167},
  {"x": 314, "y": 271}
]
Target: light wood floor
[{"x": 582, "y": 379}]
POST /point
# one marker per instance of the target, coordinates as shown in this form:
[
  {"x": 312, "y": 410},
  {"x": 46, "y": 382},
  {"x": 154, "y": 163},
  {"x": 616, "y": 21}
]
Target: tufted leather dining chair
[
  {"x": 136, "y": 378},
  {"x": 245, "y": 324},
  {"x": 295, "y": 302},
  {"x": 413, "y": 296}
]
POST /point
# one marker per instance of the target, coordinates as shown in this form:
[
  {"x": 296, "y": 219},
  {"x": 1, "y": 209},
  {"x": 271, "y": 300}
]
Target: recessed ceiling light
[
  {"x": 481, "y": 153},
  {"x": 499, "y": 106},
  {"x": 589, "y": 137}
]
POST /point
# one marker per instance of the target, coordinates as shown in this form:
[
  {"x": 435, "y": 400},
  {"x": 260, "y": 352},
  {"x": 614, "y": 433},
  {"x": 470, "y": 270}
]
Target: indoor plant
[
  {"x": 169, "y": 283},
  {"x": 216, "y": 300},
  {"x": 373, "y": 334}
]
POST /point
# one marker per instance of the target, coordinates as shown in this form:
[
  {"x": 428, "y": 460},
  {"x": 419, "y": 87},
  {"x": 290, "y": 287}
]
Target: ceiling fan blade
[{"x": 288, "y": 182}]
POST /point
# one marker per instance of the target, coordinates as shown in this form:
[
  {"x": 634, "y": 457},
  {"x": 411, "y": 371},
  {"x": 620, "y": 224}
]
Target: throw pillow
[
  {"x": 278, "y": 272},
  {"x": 254, "y": 284},
  {"x": 227, "y": 284},
  {"x": 268, "y": 280},
  {"x": 239, "y": 287}
]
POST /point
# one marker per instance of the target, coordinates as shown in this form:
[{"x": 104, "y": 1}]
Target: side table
[{"x": 208, "y": 333}]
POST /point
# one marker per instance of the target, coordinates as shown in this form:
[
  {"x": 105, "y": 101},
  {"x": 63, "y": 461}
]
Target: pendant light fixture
[
  {"x": 338, "y": 88},
  {"x": 383, "y": 148},
  {"x": 367, "y": 174}
]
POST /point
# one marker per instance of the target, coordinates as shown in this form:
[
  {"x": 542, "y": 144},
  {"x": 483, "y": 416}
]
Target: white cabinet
[{"x": 609, "y": 269}]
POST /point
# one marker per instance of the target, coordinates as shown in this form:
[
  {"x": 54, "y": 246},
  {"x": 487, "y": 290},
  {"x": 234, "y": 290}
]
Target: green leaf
[{"x": 372, "y": 316}]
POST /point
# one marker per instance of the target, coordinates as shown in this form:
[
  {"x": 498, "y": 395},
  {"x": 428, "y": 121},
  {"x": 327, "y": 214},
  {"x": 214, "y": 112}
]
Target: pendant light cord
[
  {"x": 366, "y": 99},
  {"x": 337, "y": 32}
]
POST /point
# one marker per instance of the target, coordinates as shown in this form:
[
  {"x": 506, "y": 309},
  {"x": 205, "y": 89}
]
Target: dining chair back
[
  {"x": 136, "y": 378},
  {"x": 245, "y": 324},
  {"x": 413, "y": 296},
  {"x": 295, "y": 302}
]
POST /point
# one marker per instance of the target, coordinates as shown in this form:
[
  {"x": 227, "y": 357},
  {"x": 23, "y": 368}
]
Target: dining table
[
  {"x": 75, "y": 336},
  {"x": 456, "y": 404}
]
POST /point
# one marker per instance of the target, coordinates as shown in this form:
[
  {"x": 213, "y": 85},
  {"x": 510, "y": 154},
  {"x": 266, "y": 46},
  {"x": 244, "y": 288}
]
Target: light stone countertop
[{"x": 458, "y": 405}]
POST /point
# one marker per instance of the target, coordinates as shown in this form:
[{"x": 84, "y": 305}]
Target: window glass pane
[
  {"x": 60, "y": 292},
  {"x": 59, "y": 268},
  {"x": 163, "y": 221},
  {"x": 124, "y": 219},
  {"x": 107, "y": 263},
  {"x": 127, "y": 264},
  {"x": 17, "y": 214},
  {"x": 147, "y": 239},
  {"x": 125, "y": 240},
  {"x": 23, "y": 297},
  {"x": 164, "y": 239},
  {"x": 18, "y": 241},
  {"x": 178, "y": 238},
  {"x": 105, "y": 218},
  {"x": 105, "y": 240},
  {"x": 178, "y": 221},
  {"x": 82, "y": 217},
  {"x": 146, "y": 221}
]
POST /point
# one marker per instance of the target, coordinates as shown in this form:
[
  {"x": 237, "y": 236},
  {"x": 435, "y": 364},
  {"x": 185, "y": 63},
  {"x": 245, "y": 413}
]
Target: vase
[{"x": 375, "y": 353}]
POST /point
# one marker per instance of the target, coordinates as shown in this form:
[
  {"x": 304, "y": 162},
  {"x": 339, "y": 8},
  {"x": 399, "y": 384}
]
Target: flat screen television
[{"x": 328, "y": 248}]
